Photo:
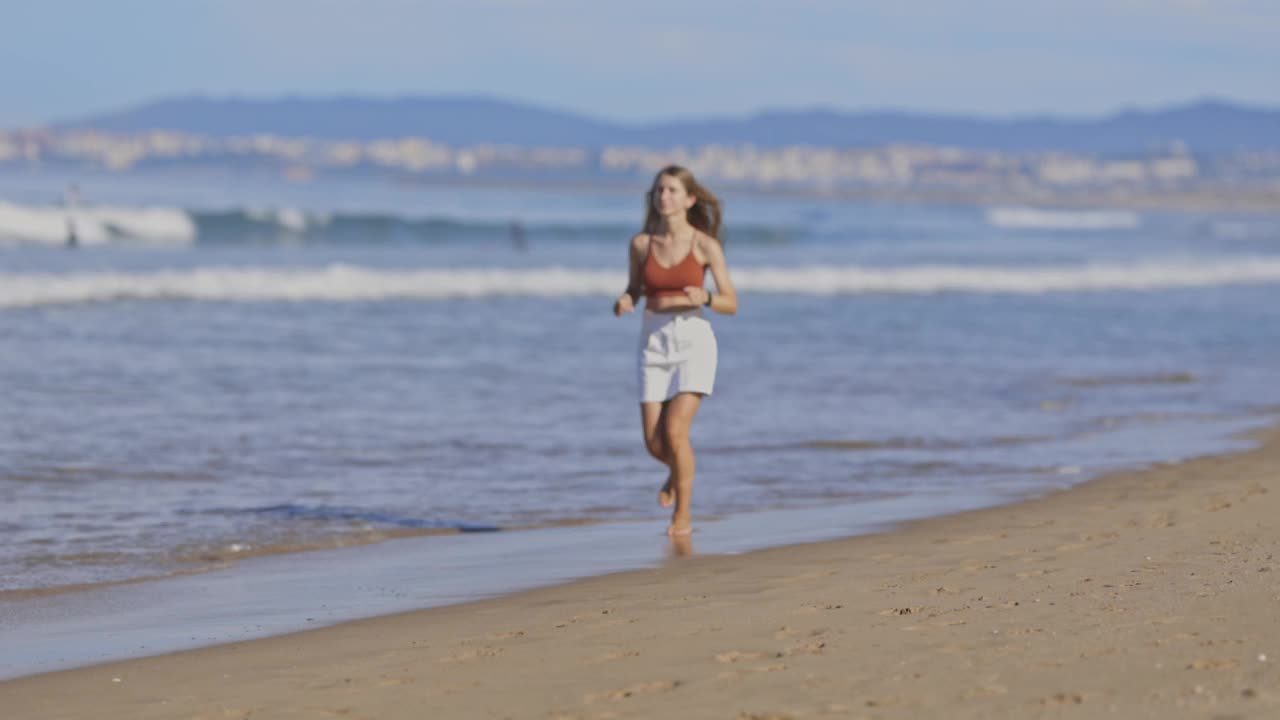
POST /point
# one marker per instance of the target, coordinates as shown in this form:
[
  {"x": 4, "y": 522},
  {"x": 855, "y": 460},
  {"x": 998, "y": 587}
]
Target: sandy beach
[{"x": 1143, "y": 594}]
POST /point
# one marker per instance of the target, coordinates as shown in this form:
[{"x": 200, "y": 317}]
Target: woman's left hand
[{"x": 697, "y": 295}]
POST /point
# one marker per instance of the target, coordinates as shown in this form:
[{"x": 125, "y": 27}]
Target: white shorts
[{"x": 677, "y": 354}]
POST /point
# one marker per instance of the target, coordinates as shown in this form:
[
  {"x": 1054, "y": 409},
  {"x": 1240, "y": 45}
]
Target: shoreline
[
  {"x": 1142, "y": 592},
  {"x": 290, "y": 592}
]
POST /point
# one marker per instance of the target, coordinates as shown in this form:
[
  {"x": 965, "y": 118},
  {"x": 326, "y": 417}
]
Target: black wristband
[{"x": 710, "y": 296}]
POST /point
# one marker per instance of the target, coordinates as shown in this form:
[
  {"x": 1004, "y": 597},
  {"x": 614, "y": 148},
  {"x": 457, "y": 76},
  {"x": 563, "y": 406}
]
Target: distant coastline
[{"x": 1205, "y": 156}]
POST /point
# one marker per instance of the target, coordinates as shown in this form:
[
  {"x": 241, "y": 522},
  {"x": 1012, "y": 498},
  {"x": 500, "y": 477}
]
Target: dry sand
[{"x": 1150, "y": 594}]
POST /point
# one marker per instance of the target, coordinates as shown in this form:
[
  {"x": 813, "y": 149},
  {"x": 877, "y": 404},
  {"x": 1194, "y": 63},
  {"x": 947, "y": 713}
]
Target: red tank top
[{"x": 660, "y": 281}]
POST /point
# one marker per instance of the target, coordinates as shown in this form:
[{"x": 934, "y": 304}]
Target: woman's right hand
[{"x": 623, "y": 305}]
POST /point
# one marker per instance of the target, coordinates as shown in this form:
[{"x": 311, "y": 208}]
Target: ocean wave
[
  {"x": 1032, "y": 218},
  {"x": 345, "y": 283},
  {"x": 97, "y": 225},
  {"x": 50, "y": 225},
  {"x": 928, "y": 279}
]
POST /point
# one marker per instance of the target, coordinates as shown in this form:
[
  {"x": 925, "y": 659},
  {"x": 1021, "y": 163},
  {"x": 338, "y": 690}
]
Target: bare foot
[
  {"x": 680, "y": 528},
  {"x": 667, "y": 495}
]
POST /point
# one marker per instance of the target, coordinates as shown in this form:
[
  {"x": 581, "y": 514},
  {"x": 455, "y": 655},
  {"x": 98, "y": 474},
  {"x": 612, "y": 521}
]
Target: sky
[{"x": 637, "y": 62}]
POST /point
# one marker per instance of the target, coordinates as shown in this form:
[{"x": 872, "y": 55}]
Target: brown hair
[{"x": 705, "y": 214}]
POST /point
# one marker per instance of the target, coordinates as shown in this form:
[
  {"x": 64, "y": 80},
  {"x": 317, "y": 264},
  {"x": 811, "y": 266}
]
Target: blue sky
[{"x": 646, "y": 60}]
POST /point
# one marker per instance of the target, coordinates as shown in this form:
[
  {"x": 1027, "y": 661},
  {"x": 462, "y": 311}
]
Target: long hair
[{"x": 705, "y": 214}]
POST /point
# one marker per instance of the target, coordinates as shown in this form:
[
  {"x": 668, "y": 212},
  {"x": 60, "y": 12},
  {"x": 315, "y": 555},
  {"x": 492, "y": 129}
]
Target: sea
[{"x": 226, "y": 367}]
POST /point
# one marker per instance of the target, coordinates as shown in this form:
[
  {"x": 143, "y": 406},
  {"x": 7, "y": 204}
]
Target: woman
[{"x": 677, "y": 360}]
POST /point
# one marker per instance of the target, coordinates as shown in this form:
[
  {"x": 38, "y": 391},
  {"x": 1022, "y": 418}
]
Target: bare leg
[
  {"x": 677, "y": 421},
  {"x": 652, "y": 416},
  {"x": 667, "y": 495}
]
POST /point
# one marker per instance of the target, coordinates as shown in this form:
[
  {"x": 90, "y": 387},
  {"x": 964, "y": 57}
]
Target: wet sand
[{"x": 1144, "y": 594}]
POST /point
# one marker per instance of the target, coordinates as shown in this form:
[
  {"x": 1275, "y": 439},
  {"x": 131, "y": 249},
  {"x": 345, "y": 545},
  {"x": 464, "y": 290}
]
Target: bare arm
[
  {"x": 635, "y": 277},
  {"x": 725, "y": 299}
]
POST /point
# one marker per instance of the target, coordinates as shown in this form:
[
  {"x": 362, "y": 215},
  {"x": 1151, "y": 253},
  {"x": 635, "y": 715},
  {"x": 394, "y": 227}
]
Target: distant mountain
[
  {"x": 1204, "y": 127},
  {"x": 1208, "y": 126},
  {"x": 454, "y": 121}
]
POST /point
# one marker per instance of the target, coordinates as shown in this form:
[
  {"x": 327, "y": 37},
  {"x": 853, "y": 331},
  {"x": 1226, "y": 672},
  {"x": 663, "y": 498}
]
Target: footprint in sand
[
  {"x": 1063, "y": 698},
  {"x": 1212, "y": 664},
  {"x": 610, "y": 657},
  {"x": 735, "y": 674},
  {"x": 657, "y": 686},
  {"x": 905, "y": 610},
  {"x": 970, "y": 540},
  {"x": 785, "y": 632},
  {"x": 809, "y": 576},
  {"x": 471, "y": 655},
  {"x": 1158, "y": 520},
  {"x": 985, "y": 691},
  {"x": 329, "y": 684},
  {"x": 808, "y": 608},
  {"x": 1216, "y": 503},
  {"x": 814, "y": 648},
  {"x": 389, "y": 681},
  {"x": 734, "y": 656}
]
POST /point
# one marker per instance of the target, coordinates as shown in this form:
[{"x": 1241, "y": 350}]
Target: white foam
[
  {"x": 1032, "y": 218},
  {"x": 928, "y": 279},
  {"x": 337, "y": 283},
  {"x": 292, "y": 219},
  {"x": 343, "y": 283},
  {"x": 95, "y": 225}
]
